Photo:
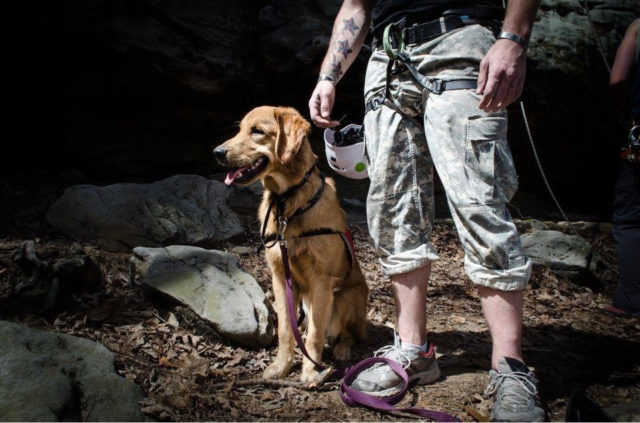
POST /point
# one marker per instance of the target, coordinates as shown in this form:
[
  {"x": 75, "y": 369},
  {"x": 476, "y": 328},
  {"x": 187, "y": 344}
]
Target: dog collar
[
  {"x": 279, "y": 202},
  {"x": 288, "y": 193}
]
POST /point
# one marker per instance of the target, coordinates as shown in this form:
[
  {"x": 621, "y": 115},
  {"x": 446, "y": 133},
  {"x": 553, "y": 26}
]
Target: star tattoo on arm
[
  {"x": 336, "y": 68},
  {"x": 350, "y": 25},
  {"x": 343, "y": 47}
]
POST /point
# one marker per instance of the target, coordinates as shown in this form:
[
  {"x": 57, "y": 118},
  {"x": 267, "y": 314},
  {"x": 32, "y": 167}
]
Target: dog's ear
[{"x": 292, "y": 130}]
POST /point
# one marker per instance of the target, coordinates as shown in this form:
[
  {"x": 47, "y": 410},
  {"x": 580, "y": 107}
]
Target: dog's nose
[{"x": 219, "y": 152}]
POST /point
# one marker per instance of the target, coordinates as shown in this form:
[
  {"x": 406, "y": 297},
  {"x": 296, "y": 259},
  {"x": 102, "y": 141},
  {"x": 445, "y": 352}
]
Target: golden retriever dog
[{"x": 272, "y": 146}]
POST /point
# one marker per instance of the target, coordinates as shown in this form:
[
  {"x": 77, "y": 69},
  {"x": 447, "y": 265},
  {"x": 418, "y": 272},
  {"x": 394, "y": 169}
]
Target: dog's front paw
[
  {"x": 309, "y": 376},
  {"x": 277, "y": 370}
]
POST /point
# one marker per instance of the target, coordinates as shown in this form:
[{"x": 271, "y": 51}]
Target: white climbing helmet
[{"x": 347, "y": 156}]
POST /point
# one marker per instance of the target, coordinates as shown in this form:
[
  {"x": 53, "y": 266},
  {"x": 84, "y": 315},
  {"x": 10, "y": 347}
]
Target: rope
[
  {"x": 587, "y": 11},
  {"x": 595, "y": 34},
  {"x": 535, "y": 154}
]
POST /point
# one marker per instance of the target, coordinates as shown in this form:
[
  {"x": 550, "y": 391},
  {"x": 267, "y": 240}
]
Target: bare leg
[
  {"x": 410, "y": 292},
  {"x": 503, "y": 311}
]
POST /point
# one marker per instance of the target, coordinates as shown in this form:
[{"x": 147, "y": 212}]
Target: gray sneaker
[
  {"x": 516, "y": 391},
  {"x": 381, "y": 381}
]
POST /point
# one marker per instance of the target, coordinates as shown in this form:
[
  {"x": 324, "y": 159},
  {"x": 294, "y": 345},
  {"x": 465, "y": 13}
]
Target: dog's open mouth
[{"x": 244, "y": 174}]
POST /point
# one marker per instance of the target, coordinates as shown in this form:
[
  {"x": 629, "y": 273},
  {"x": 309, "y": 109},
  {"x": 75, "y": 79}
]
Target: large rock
[
  {"x": 212, "y": 285},
  {"x": 181, "y": 209},
  {"x": 559, "y": 251},
  {"x": 54, "y": 377}
]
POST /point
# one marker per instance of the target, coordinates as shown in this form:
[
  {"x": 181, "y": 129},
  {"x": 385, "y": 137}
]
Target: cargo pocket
[{"x": 488, "y": 162}]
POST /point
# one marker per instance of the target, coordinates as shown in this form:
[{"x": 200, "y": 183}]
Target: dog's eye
[{"x": 257, "y": 131}]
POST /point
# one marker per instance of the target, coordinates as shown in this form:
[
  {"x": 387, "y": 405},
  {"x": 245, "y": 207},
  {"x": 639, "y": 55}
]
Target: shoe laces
[
  {"x": 526, "y": 381},
  {"x": 394, "y": 352}
]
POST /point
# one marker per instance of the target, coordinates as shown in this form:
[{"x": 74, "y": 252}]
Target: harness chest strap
[{"x": 270, "y": 240}]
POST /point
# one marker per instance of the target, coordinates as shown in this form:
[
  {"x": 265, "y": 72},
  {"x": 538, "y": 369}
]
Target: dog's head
[{"x": 271, "y": 145}]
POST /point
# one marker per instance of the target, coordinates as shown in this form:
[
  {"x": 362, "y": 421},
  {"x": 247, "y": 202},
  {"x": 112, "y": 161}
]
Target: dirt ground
[{"x": 190, "y": 373}]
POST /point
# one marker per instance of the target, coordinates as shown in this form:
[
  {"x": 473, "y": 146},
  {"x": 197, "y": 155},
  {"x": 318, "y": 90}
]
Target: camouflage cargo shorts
[{"x": 469, "y": 150}]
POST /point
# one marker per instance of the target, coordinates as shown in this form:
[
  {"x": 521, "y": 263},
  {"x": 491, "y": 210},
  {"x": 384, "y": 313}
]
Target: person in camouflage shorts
[
  {"x": 462, "y": 133},
  {"x": 468, "y": 148}
]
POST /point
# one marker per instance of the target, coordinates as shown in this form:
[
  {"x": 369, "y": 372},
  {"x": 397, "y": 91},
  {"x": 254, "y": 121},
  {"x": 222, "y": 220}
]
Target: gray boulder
[
  {"x": 212, "y": 285},
  {"x": 559, "y": 251},
  {"x": 54, "y": 377},
  {"x": 180, "y": 209}
]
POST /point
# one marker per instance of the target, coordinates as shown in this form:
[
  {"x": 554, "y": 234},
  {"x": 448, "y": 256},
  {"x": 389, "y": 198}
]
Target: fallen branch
[{"x": 278, "y": 383}]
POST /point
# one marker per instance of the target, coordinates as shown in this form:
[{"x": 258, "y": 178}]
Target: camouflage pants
[{"x": 469, "y": 150}]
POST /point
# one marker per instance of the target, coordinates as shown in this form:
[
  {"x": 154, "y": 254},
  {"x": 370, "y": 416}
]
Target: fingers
[
  {"x": 321, "y": 104},
  {"x": 487, "y": 102},
  {"x": 317, "y": 116},
  {"x": 501, "y": 90},
  {"x": 482, "y": 76},
  {"x": 501, "y": 76}
]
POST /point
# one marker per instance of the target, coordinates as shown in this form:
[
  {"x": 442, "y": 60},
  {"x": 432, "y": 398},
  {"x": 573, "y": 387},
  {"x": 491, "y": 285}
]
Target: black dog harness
[{"x": 278, "y": 203}]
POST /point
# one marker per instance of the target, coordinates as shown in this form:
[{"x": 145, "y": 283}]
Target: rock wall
[
  {"x": 576, "y": 130},
  {"x": 141, "y": 89}
]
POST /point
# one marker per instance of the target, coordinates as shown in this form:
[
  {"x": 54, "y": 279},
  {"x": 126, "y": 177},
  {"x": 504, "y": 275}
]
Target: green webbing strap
[{"x": 389, "y": 31}]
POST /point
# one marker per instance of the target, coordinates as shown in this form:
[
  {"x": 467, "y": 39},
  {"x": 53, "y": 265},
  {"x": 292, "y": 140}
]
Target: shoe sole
[{"x": 422, "y": 378}]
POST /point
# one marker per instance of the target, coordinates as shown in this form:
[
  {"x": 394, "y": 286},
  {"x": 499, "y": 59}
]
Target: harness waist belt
[
  {"x": 419, "y": 33},
  {"x": 450, "y": 20},
  {"x": 435, "y": 86}
]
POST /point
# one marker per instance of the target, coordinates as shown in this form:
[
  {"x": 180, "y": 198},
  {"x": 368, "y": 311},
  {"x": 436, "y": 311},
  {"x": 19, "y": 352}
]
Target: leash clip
[{"x": 282, "y": 227}]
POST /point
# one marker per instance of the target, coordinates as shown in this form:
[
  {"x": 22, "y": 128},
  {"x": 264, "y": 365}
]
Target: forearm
[
  {"x": 519, "y": 17},
  {"x": 349, "y": 31},
  {"x": 622, "y": 67}
]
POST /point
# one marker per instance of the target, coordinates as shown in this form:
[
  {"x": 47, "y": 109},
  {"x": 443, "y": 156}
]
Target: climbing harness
[{"x": 394, "y": 40}]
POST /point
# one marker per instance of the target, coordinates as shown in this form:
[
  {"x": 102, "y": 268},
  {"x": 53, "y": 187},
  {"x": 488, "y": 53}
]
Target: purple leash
[{"x": 350, "y": 396}]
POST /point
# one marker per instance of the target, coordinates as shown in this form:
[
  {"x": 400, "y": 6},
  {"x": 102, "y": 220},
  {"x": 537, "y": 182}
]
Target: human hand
[
  {"x": 321, "y": 104},
  {"x": 502, "y": 74}
]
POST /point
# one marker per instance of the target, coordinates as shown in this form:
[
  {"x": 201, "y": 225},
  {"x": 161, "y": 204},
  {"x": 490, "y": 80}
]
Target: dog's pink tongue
[{"x": 231, "y": 176}]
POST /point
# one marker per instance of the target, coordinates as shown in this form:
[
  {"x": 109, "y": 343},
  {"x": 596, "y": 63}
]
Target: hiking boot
[
  {"x": 516, "y": 391},
  {"x": 380, "y": 380}
]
